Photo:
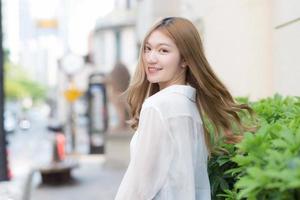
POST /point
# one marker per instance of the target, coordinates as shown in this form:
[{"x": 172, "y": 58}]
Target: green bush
[{"x": 265, "y": 165}]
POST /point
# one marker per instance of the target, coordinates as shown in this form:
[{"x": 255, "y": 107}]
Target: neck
[{"x": 179, "y": 80}]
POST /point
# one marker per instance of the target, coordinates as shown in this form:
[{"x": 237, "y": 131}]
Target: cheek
[
  {"x": 168, "y": 59},
  {"x": 172, "y": 63}
]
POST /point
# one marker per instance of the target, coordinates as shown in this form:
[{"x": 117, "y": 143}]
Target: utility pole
[{"x": 3, "y": 158}]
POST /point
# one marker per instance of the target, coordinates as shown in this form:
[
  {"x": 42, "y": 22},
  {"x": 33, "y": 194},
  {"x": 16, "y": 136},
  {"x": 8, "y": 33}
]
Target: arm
[{"x": 149, "y": 166}]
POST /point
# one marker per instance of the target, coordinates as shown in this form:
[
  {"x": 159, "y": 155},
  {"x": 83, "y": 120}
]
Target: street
[{"x": 97, "y": 177}]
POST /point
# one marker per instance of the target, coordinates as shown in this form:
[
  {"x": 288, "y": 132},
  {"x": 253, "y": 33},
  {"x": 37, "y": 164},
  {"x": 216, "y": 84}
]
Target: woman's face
[{"x": 163, "y": 62}]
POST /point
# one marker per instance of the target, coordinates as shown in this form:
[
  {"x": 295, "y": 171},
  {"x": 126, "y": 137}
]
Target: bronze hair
[{"x": 212, "y": 97}]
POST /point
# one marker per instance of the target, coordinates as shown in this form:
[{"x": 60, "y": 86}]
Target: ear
[{"x": 183, "y": 63}]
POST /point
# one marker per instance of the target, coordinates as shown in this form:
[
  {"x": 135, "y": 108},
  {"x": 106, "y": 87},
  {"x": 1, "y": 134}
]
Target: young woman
[{"x": 172, "y": 89}]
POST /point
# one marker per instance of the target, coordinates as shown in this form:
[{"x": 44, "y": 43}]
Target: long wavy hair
[{"x": 212, "y": 97}]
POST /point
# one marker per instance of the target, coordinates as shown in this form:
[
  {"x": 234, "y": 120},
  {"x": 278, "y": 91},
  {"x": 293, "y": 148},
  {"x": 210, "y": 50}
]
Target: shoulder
[
  {"x": 161, "y": 100},
  {"x": 167, "y": 104}
]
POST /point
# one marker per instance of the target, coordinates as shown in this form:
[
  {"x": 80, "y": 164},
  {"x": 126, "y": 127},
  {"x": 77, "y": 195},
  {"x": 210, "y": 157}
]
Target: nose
[{"x": 151, "y": 57}]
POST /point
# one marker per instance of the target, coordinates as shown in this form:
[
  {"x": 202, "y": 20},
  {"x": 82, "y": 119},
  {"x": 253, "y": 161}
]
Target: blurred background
[{"x": 66, "y": 62}]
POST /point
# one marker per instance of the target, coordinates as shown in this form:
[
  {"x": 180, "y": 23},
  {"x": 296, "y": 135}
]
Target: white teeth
[{"x": 154, "y": 69}]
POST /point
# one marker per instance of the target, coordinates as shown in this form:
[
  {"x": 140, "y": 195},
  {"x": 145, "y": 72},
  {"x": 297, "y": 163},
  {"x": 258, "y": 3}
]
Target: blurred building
[
  {"x": 39, "y": 52},
  {"x": 33, "y": 42},
  {"x": 252, "y": 45},
  {"x": 114, "y": 37},
  {"x": 286, "y": 45}
]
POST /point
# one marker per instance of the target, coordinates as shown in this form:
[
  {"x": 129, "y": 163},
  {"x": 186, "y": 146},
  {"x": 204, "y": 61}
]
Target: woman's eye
[
  {"x": 163, "y": 50},
  {"x": 147, "y": 49}
]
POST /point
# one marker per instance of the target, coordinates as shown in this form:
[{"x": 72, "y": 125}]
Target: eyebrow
[{"x": 159, "y": 44}]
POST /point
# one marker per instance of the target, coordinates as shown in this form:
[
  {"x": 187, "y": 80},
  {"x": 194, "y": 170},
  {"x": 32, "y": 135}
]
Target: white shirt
[{"x": 168, "y": 151}]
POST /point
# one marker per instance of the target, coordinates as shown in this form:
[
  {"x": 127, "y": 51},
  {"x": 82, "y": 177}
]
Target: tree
[{"x": 18, "y": 85}]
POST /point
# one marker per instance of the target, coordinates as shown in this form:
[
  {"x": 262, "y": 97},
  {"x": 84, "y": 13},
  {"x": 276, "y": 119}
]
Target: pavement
[
  {"x": 13, "y": 190},
  {"x": 97, "y": 177}
]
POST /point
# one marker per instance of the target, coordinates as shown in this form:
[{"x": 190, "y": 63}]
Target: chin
[{"x": 153, "y": 80}]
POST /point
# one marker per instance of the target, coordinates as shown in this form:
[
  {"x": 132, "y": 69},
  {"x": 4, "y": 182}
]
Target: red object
[
  {"x": 60, "y": 145},
  {"x": 9, "y": 172}
]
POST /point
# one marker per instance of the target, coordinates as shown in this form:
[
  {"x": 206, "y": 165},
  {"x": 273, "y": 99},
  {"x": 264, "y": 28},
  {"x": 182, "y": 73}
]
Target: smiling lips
[{"x": 154, "y": 69}]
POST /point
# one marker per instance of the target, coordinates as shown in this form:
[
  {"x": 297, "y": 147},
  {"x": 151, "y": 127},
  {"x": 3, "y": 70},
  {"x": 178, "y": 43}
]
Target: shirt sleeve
[{"x": 149, "y": 166}]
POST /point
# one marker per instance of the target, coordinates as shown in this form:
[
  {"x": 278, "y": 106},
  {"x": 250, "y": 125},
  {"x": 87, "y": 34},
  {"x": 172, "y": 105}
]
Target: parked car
[{"x": 10, "y": 122}]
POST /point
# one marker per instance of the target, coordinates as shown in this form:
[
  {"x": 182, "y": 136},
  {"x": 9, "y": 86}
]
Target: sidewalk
[
  {"x": 25, "y": 148},
  {"x": 14, "y": 189},
  {"x": 98, "y": 176}
]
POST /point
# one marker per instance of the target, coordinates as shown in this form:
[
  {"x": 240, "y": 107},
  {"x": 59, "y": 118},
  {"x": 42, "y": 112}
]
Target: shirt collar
[{"x": 185, "y": 90}]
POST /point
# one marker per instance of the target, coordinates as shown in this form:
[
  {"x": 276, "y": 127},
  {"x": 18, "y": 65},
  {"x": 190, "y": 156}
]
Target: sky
[{"x": 82, "y": 16}]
